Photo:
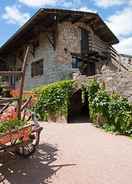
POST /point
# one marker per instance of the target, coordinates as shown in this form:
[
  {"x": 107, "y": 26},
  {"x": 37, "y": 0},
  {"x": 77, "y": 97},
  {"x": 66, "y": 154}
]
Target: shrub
[
  {"x": 120, "y": 115},
  {"x": 101, "y": 102},
  {"x": 92, "y": 88},
  {"x": 98, "y": 102},
  {"x": 53, "y": 98},
  {"x": 112, "y": 112}
]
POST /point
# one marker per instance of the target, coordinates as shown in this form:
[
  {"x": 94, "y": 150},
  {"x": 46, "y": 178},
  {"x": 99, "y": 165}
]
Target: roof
[
  {"x": 126, "y": 55},
  {"x": 48, "y": 17}
]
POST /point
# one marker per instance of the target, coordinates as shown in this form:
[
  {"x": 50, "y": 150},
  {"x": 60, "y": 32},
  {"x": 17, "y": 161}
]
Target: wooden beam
[
  {"x": 6, "y": 100},
  {"x": 98, "y": 27},
  {"x": 77, "y": 19},
  {"x": 75, "y": 54},
  {"x": 26, "y": 103},
  {"x": 4, "y": 108},
  {"x": 65, "y": 17},
  {"x": 51, "y": 39},
  {"x": 82, "y": 28},
  {"x": 3, "y": 60},
  {"x": 102, "y": 32},
  {"x": 89, "y": 21},
  {"x": 22, "y": 81},
  {"x": 9, "y": 73},
  {"x": 42, "y": 28}
]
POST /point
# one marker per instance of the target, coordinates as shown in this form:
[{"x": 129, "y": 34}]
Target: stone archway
[{"x": 78, "y": 108}]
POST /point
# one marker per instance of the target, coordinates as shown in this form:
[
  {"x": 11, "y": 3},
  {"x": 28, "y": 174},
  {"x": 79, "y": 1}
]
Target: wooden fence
[{"x": 115, "y": 57}]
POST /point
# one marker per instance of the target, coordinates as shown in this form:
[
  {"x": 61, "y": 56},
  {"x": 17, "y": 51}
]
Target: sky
[{"x": 117, "y": 14}]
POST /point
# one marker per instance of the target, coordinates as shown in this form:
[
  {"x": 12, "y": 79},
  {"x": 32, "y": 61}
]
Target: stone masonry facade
[{"x": 57, "y": 63}]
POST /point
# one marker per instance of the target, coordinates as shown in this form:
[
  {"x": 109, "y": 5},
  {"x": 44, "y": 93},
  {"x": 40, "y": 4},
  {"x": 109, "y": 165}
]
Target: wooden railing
[
  {"x": 10, "y": 73},
  {"x": 22, "y": 74},
  {"x": 115, "y": 57}
]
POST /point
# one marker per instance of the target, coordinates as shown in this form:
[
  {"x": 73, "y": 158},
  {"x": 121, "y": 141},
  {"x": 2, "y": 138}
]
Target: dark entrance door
[
  {"x": 78, "y": 108},
  {"x": 89, "y": 69},
  {"x": 84, "y": 42}
]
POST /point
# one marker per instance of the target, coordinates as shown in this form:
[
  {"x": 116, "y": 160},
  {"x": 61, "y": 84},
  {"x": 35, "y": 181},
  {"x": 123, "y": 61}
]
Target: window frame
[
  {"x": 85, "y": 35},
  {"x": 76, "y": 63},
  {"x": 37, "y": 68}
]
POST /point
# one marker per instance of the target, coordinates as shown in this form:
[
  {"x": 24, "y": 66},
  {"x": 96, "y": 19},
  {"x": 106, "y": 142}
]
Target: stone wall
[
  {"x": 58, "y": 62},
  {"x": 119, "y": 82},
  {"x": 69, "y": 41},
  {"x": 52, "y": 71},
  {"x": 45, "y": 52}
]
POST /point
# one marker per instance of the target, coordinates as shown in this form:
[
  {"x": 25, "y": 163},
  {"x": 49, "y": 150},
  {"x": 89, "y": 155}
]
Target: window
[
  {"x": 84, "y": 41},
  {"x": 37, "y": 68},
  {"x": 76, "y": 62}
]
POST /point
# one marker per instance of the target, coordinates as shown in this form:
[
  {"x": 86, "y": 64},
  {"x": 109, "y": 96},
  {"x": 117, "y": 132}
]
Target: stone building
[
  {"x": 64, "y": 43},
  {"x": 126, "y": 60}
]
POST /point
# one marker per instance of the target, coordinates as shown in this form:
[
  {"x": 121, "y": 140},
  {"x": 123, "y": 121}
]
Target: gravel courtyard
[{"x": 74, "y": 154}]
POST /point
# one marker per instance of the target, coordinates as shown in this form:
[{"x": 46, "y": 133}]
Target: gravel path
[{"x": 74, "y": 154}]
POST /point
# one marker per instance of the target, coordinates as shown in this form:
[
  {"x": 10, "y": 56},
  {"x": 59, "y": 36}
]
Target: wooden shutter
[{"x": 84, "y": 41}]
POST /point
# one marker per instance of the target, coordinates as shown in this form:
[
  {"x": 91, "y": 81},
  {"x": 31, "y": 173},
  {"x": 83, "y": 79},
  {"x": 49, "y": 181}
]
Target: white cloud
[
  {"x": 13, "y": 15},
  {"x": 38, "y": 3},
  {"x": 121, "y": 23},
  {"x": 83, "y": 9},
  {"x": 125, "y": 46},
  {"x": 86, "y": 9},
  {"x": 109, "y": 3}
]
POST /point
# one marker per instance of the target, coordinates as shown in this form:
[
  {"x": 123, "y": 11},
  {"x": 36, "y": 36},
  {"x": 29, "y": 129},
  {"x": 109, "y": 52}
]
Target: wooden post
[
  {"x": 22, "y": 82},
  {"x": 10, "y": 73}
]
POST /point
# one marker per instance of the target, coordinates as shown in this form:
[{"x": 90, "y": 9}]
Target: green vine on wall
[
  {"x": 111, "y": 112},
  {"x": 53, "y": 99}
]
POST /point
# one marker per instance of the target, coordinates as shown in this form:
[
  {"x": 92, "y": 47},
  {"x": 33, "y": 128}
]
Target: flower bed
[
  {"x": 9, "y": 114},
  {"x": 7, "y": 126},
  {"x": 11, "y": 128},
  {"x": 19, "y": 133}
]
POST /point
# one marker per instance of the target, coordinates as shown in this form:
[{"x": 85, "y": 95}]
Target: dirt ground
[{"x": 74, "y": 154}]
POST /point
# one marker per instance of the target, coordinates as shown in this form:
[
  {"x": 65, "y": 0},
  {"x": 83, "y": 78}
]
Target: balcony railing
[{"x": 115, "y": 57}]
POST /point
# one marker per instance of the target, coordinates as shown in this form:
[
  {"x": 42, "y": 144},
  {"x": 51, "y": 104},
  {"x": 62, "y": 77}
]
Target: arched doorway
[{"x": 78, "y": 108}]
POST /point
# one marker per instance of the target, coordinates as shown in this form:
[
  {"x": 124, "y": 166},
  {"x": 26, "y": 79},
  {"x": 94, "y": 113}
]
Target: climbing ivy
[
  {"x": 53, "y": 99},
  {"x": 111, "y": 112}
]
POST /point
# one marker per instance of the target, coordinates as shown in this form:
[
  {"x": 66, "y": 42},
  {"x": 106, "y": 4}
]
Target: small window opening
[
  {"x": 37, "y": 68},
  {"x": 76, "y": 62}
]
